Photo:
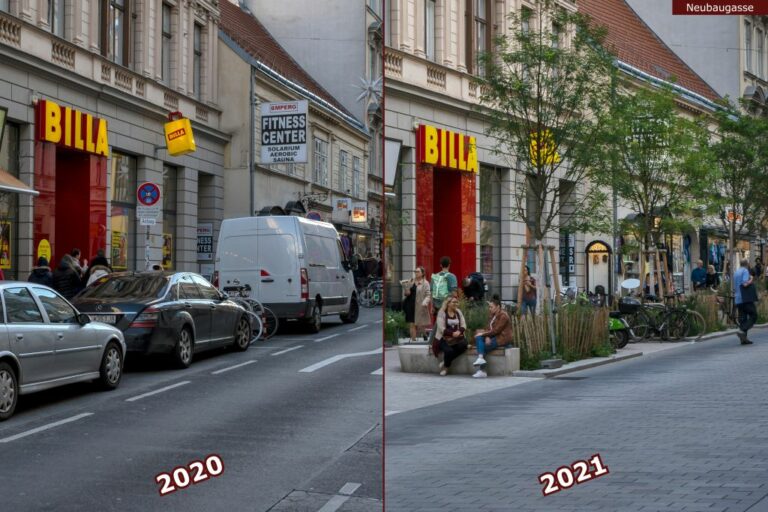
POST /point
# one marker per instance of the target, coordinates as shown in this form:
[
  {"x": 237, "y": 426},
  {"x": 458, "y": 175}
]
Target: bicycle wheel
[
  {"x": 697, "y": 326},
  {"x": 675, "y": 326},
  {"x": 367, "y": 298},
  {"x": 639, "y": 325},
  {"x": 270, "y": 322}
]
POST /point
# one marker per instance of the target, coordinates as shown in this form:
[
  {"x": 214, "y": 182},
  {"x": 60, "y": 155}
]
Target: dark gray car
[
  {"x": 45, "y": 342},
  {"x": 175, "y": 313}
]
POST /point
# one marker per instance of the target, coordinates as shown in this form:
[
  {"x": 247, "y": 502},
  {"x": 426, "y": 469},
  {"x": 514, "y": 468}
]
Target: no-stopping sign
[{"x": 148, "y": 203}]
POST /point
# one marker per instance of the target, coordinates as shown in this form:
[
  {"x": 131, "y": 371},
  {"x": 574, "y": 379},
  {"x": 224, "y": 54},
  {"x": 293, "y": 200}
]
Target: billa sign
[
  {"x": 70, "y": 128},
  {"x": 179, "y": 138},
  {"x": 446, "y": 149}
]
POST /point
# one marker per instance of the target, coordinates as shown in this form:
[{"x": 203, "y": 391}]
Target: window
[
  {"x": 20, "y": 307},
  {"x": 356, "y": 176},
  {"x": 166, "y": 45},
  {"x": 760, "y": 53},
  {"x": 123, "y": 223},
  {"x": 9, "y": 211},
  {"x": 748, "y": 45},
  {"x": 188, "y": 289},
  {"x": 490, "y": 226},
  {"x": 343, "y": 171},
  {"x": 387, "y": 23},
  {"x": 429, "y": 30},
  {"x": 197, "y": 68},
  {"x": 482, "y": 36},
  {"x": 5, "y": 5},
  {"x": 169, "y": 216},
  {"x": 56, "y": 17},
  {"x": 114, "y": 31},
  {"x": 321, "y": 251},
  {"x": 207, "y": 290},
  {"x": 58, "y": 310},
  {"x": 321, "y": 162},
  {"x": 375, "y": 6},
  {"x": 525, "y": 20}
]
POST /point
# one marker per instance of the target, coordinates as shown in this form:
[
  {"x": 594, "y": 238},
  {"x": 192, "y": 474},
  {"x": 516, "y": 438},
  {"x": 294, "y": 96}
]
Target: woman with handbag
[
  {"x": 420, "y": 297},
  {"x": 449, "y": 333}
]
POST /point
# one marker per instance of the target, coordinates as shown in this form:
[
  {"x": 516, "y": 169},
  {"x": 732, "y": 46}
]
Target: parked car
[
  {"x": 175, "y": 313},
  {"x": 46, "y": 342},
  {"x": 294, "y": 266}
]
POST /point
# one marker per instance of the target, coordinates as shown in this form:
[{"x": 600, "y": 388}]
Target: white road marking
[
  {"x": 287, "y": 350},
  {"x": 337, "y": 501},
  {"x": 334, "y": 359},
  {"x": 264, "y": 348},
  {"x": 45, "y": 427},
  {"x": 378, "y": 321},
  {"x": 233, "y": 367},
  {"x": 380, "y": 371},
  {"x": 166, "y": 388},
  {"x": 390, "y": 413},
  {"x": 358, "y": 328},
  {"x": 327, "y": 338}
]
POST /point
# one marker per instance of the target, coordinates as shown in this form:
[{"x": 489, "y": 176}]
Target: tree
[{"x": 659, "y": 164}]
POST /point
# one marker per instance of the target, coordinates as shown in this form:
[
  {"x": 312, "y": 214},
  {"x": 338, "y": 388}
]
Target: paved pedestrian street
[{"x": 679, "y": 430}]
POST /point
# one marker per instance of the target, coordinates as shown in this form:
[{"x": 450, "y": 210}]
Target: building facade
[
  {"x": 88, "y": 86},
  {"x": 332, "y": 184}
]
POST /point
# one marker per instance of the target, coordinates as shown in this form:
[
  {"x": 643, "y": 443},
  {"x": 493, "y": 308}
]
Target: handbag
[{"x": 749, "y": 293}]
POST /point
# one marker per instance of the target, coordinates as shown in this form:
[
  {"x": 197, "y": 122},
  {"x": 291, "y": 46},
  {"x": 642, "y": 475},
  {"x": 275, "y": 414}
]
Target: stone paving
[{"x": 680, "y": 430}]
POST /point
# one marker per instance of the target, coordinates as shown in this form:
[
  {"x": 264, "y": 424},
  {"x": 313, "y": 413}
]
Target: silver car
[{"x": 45, "y": 342}]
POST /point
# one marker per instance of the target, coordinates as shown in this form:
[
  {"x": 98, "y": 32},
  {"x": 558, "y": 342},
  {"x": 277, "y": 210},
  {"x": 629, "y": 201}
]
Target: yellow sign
[
  {"x": 5, "y": 245},
  {"x": 167, "y": 251},
  {"x": 178, "y": 135},
  {"x": 71, "y": 128},
  {"x": 119, "y": 250},
  {"x": 44, "y": 250},
  {"x": 447, "y": 149},
  {"x": 548, "y": 154}
]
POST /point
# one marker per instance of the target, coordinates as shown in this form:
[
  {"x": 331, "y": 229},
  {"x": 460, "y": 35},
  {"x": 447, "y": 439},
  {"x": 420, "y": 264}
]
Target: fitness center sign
[{"x": 284, "y": 132}]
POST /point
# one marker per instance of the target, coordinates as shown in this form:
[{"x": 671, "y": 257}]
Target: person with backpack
[{"x": 443, "y": 285}]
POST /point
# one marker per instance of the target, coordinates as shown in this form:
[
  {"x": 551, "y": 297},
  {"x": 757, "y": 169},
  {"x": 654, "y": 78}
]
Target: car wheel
[
  {"x": 315, "y": 322},
  {"x": 182, "y": 352},
  {"x": 354, "y": 312},
  {"x": 111, "y": 369},
  {"x": 242, "y": 335},
  {"x": 9, "y": 391}
]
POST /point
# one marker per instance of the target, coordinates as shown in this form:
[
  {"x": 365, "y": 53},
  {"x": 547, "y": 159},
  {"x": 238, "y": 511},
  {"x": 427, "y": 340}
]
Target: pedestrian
[
  {"x": 443, "y": 285},
  {"x": 699, "y": 276},
  {"x": 66, "y": 279},
  {"x": 417, "y": 303},
  {"x": 746, "y": 296},
  {"x": 529, "y": 292},
  {"x": 497, "y": 334},
  {"x": 758, "y": 268},
  {"x": 100, "y": 260},
  {"x": 713, "y": 279},
  {"x": 449, "y": 333},
  {"x": 41, "y": 274},
  {"x": 81, "y": 268},
  {"x": 473, "y": 287}
]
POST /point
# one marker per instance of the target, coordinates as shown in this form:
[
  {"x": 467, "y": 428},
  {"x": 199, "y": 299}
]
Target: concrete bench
[{"x": 415, "y": 358}]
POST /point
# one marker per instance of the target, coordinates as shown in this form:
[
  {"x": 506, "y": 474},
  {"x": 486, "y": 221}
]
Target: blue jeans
[
  {"x": 482, "y": 348},
  {"x": 529, "y": 305}
]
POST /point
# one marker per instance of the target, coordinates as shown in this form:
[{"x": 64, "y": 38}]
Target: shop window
[
  {"x": 115, "y": 30},
  {"x": 490, "y": 225},
  {"x": 123, "y": 220},
  {"x": 169, "y": 195},
  {"x": 356, "y": 177},
  {"x": 343, "y": 171},
  {"x": 197, "y": 67},
  {"x": 167, "y": 38},
  {"x": 56, "y": 15},
  {"x": 9, "y": 224},
  {"x": 429, "y": 29},
  {"x": 320, "y": 174}
]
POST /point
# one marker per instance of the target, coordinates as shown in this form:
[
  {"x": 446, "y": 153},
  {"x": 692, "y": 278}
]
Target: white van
[{"x": 294, "y": 266}]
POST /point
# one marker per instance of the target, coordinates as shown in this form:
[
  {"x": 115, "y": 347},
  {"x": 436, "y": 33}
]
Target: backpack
[{"x": 439, "y": 283}]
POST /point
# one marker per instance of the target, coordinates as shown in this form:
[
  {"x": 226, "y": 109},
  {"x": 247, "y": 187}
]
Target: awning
[
  {"x": 355, "y": 229},
  {"x": 9, "y": 183}
]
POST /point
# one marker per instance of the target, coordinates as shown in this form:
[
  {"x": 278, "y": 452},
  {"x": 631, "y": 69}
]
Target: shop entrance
[{"x": 599, "y": 267}]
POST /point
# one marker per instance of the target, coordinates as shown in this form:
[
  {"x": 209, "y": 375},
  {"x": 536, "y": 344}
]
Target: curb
[
  {"x": 578, "y": 366},
  {"x": 728, "y": 332}
]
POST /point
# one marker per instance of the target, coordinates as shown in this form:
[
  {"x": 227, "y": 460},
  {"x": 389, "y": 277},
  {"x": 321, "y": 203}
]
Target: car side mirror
[
  {"x": 224, "y": 295},
  {"x": 83, "y": 319}
]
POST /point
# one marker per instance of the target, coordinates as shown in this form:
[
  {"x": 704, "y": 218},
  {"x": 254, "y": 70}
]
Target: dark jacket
[
  {"x": 41, "y": 275},
  {"x": 66, "y": 280}
]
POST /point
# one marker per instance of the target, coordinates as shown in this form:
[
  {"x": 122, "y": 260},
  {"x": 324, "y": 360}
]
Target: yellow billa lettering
[
  {"x": 453, "y": 163},
  {"x": 78, "y": 130},
  {"x": 443, "y": 145},
  {"x": 472, "y": 155},
  {"x": 430, "y": 145},
  {"x": 462, "y": 154},
  {"x": 67, "y": 125},
  {"x": 52, "y": 122},
  {"x": 89, "y": 145},
  {"x": 102, "y": 146}
]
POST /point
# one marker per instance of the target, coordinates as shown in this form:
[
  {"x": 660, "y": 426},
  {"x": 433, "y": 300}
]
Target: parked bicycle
[
  {"x": 265, "y": 322},
  {"x": 668, "y": 322},
  {"x": 373, "y": 294}
]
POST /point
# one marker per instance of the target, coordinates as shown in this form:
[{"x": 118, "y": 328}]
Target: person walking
[
  {"x": 746, "y": 296},
  {"x": 497, "y": 334},
  {"x": 529, "y": 292},
  {"x": 99, "y": 268},
  {"x": 418, "y": 300},
  {"x": 758, "y": 268},
  {"x": 713, "y": 280},
  {"x": 450, "y": 327},
  {"x": 699, "y": 276},
  {"x": 41, "y": 274},
  {"x": 66, "y": 279}
]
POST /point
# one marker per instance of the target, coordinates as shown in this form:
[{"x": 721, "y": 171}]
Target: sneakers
[
  {"x": 479, "y": 361},
  {"x": 746, "y": 342},
  {"x": 443, "y": 369},
  {"x": 479, "y": 374},
  {"x": 742, "y": 336}
]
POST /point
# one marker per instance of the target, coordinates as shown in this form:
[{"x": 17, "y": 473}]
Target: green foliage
[
  {"x": 476, "y": 316},
  {"x": 603, "y": 350},
  {"x": 395, "y": 326}
]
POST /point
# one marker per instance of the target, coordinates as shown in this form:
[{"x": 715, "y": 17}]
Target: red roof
[
  {"x": 255, "y": 39},
  {"x": 636, "y": 44}
]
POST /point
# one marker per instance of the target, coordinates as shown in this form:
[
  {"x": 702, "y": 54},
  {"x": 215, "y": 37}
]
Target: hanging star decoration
[{"x": 371, "y": 90}]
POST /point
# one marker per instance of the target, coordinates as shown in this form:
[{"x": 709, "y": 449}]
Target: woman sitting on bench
[
  {"x": 449, "y": 334},
  {"x": 497, "y": 335}
]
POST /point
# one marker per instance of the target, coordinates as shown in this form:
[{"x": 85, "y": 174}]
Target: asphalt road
[
  {"x": 681, "y": 430},
  {"x": 296, "y": 428}
]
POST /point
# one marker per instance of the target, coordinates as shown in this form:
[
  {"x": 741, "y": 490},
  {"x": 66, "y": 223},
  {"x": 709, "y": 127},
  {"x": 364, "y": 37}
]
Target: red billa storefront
[
  {"x": 446, "y": 193},
  {"x": 71, "y": 150}
]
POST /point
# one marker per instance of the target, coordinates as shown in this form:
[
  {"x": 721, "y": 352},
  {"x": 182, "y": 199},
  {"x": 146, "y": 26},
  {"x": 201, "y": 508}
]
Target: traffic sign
[{"x": 148, "y": 206}]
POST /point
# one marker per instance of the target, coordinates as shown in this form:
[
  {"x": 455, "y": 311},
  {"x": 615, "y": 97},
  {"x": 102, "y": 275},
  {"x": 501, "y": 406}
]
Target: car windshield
[{"x": 127, "y": 287}]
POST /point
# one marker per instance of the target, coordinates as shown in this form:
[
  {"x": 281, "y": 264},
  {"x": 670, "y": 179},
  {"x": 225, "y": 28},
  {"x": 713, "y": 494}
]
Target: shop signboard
[
  {"x": 447, "y": 149},
  {"x": 119, "y": 250},
  {"x": 70, "y": 128},
  {"x": 167, "y": 251},
  {"x": 44, "y": 250},
  {"x": 148, "y": 205},
  {"x": 547, "y": 154},
  {"x": 359, "y": 212},
  {"x": 342, "y": 207},
  {"x": 179, "y": 138},
  {"x": 5, "y": 245},
  {"x": 205, "y": 241},
  {"x": 284, "y": 132}
]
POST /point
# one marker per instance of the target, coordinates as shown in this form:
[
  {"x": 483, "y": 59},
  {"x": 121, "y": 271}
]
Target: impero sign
[{"x": 284, "y": 132}]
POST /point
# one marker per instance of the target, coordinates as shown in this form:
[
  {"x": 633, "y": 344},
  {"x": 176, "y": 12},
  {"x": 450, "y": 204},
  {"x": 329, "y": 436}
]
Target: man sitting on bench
[{"x": 497, "y": 335}]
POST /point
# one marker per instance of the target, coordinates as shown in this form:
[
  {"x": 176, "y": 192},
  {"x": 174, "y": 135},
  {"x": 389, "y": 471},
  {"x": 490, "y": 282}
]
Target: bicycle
[
  {"x": 266, "y": 322},
  {"x": 372, "y": 295},
  {"x": 670, "y": 323}
]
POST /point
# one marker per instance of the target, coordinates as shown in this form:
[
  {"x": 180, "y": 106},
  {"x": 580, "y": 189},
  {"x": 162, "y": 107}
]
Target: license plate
[{"x": 107, "y": 319}]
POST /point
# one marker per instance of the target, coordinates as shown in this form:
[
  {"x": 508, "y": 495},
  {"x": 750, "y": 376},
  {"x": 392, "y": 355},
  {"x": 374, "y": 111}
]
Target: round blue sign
[{"x": 148, "y": 194}]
